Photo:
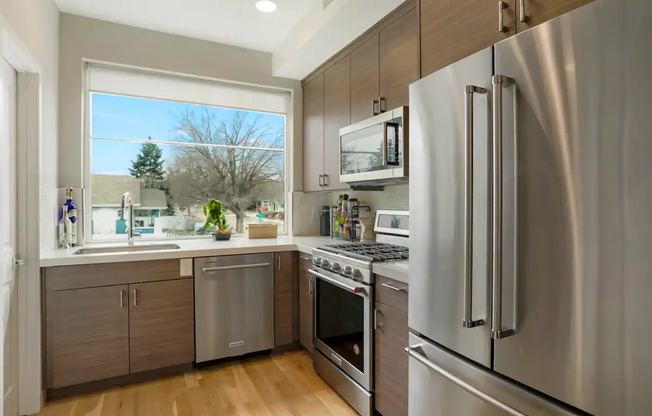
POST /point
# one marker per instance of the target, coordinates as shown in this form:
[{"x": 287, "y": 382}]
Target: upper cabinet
[
  {"x": 313, "y": 134},
  {"x": 365, "y": 81},
  {"x": 454, "y": 29},
  {"x": 399, "y": 60},
  {"x": 337, "y": 114},
  {"x": 534, "y": 12}
]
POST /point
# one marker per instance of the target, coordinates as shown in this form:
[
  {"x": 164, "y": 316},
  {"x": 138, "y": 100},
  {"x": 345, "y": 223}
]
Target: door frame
[{"x": 27, "y": 279}]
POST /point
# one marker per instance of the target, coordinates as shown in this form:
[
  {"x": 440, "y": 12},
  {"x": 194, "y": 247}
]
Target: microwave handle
[{"x": 386, "y": 140}]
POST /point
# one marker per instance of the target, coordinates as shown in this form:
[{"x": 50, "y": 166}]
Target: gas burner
[{"x": 372, "y": 252}]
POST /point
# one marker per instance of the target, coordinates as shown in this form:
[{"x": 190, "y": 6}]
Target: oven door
[
  {"x": 374, "y": 149},
  {"x": 343, "y": 324}
]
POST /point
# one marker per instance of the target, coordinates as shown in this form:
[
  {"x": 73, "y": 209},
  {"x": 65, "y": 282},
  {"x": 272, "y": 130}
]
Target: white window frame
[{"x": 289, "y": 145}]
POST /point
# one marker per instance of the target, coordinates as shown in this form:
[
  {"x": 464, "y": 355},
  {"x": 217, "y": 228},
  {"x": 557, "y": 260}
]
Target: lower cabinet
[
  {"x": 391, "y": 361},
  {"x": 161, "y": 324},
  {"x": 306, "y": 311},
  {"x": 286, "y": 319},
  {"x": 97, "y": 333},
  {"x": 88, "y": 335}
]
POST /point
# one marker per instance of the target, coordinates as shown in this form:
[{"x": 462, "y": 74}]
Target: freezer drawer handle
[
  {"x": 497, "y": 331},
  {"x": 413, "y": 352},
  {"x": 236, "y": 267},
  {"x": 468, "y": 321}
]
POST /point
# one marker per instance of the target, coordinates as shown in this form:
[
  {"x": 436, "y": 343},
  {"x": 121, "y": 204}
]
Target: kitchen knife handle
[
  {"x": 468, "y": 321},
  {"x": 497, "y": 331}
]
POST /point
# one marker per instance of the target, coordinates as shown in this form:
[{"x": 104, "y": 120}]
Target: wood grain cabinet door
[
  {"x": 337, "y": 114},
  {"x": 88, "y": 334},
  {"x": 365, "y": 80},
  {"x": 399, "y": 60},
  {"x": 306, "y": 314},
  {"x": 286, "y": 300},
  {"x": 391, "y": 361},
  {"x": 454, "y": 29},
  {"x": 162, "y": 324},
  {"x": 313, "y": 133},
  {"x": 534, "y": 12}
]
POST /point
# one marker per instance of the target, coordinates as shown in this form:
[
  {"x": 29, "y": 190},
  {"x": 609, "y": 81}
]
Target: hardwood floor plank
[{"x": 278, "y": 385}]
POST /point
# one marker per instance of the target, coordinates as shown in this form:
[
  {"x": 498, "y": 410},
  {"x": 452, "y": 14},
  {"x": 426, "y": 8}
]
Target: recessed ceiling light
[{"x": 266, "y": 6}]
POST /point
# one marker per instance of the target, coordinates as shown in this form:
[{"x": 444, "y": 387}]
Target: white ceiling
[
  {"x": 301, "y": 34},
  {"x": 233, "y": 22}
]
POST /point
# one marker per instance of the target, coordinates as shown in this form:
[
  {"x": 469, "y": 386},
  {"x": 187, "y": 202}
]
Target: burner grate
[{"x": 375, "y": 252}]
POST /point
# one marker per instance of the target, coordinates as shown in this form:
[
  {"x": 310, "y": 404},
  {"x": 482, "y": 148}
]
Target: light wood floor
[{"x": 283, "y": 384}]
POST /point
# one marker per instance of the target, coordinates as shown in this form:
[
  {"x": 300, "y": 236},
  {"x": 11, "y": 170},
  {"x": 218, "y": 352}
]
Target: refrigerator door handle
[
  {"x": 468, "y": 321},
  {"x": 413, "y": 351},
  {"x": 497, "y": 331}
]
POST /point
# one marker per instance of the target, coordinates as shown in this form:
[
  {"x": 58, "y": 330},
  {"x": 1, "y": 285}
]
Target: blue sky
[{"x": 136, "y": 118}]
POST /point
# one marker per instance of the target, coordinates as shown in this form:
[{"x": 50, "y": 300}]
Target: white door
[{"x": 9, "y": 345}]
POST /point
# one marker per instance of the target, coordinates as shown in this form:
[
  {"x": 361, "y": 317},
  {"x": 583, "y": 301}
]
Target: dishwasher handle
[{"x": 234, "y": 267}]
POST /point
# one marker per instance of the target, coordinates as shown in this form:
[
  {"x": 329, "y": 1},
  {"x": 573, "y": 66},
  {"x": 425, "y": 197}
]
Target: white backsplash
[{"x": 307, "y": 206}]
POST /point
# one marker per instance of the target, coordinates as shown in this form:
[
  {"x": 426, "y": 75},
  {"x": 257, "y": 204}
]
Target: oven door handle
[{"x": 353, "y": 289}]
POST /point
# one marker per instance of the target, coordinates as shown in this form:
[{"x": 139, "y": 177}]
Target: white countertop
[
  {"x": 397, "y": 270},
  {"x": 189, "y": 248}
]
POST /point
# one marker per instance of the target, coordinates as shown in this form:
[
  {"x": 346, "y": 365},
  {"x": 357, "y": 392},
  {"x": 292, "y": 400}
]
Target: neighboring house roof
[
  {"x": 152, "y": 199},
  {"x": 108, "y": 190}
]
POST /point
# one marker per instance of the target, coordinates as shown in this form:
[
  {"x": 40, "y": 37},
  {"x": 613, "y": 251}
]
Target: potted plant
[{"x": 216, "y": 220}]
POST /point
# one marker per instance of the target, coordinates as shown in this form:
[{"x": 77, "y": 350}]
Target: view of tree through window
[{"x": 174, "y": 157}]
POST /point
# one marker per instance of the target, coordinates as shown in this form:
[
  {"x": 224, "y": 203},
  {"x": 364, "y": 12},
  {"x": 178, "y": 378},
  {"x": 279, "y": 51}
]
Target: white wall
[
  {"x": 36, "y": 24},
  {"x": 33, "y": 27},
  {"x": 84, "y": 38}
]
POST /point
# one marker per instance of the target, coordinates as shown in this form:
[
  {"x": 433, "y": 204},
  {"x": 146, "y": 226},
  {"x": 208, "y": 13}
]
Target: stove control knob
[
  {"x": 357, "y": 273},
  {"x": 348, "y": 270},
  {"x": 325, "y": 263},
  {"x": 336, "y": 267},
  {"x": 317, "y": 261}
]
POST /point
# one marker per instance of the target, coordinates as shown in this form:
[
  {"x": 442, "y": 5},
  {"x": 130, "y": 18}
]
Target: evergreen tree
[{"x": 148, "y": 166}]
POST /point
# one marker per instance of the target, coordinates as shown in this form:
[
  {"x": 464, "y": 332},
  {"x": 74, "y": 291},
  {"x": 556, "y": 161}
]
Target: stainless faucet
[{"x": 128, "y": 202}]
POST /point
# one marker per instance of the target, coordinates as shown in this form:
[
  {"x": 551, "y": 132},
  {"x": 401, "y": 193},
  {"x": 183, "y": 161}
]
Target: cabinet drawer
[
  {"x": 392, "y": 293},
  {"x": 96, "y": 275}
]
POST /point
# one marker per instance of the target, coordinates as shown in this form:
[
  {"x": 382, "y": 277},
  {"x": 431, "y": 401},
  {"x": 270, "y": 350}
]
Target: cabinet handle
[
  {"x": 397, "y": 289},
  {"x": 325, "y": 180},
  {"x": 382, "y": 107},
  {"x": 278, "y": 263},
  {"x": 375, "y": 103},
  {"x": 135, "y": 297},
  {"x": 501, "y": 11},
  {"x": 122, "y": 298},
  {"x": 522, "y": 16},
  {"x": 310, "y": 290},
  {"x": 377, "y": 325},
  {"x": 321, "y": 180}
]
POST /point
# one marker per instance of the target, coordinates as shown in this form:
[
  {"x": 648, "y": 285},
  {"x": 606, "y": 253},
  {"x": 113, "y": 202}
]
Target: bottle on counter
[
  {"x": 70, "y": 219},
  {"x": 325, "y": 221},
  {"x": 346, "y": 230}
]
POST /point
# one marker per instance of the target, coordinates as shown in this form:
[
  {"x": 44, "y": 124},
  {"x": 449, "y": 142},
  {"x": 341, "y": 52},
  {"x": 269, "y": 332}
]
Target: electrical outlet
[{"x": 186, "y": 267}]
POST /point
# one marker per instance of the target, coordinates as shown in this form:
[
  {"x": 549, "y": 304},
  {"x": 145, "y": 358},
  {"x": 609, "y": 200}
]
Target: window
[{"x": 175, "y": 155}]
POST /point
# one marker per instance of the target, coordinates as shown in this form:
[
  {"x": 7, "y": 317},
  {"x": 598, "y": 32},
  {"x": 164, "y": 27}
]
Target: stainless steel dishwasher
[{"x": 234, "y": 305}]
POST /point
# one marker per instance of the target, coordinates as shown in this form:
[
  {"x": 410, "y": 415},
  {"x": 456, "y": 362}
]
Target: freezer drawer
[
  {"x": 234, "y": 305},
  {"x": 442, "y": 384}
]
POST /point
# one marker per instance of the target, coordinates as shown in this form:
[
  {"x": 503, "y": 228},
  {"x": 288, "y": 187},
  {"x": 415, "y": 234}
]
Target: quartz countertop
[
  {"x": 397, "y": 270},
  {"x": 189, "y": 248}
]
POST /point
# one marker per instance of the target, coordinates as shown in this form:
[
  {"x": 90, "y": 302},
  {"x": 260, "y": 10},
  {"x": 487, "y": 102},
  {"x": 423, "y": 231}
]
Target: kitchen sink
[{"x": 126, "y": 249}]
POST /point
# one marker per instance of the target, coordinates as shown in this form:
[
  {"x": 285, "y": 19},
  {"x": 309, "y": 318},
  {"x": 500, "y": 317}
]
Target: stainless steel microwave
[{"x": 375, "y": 151}]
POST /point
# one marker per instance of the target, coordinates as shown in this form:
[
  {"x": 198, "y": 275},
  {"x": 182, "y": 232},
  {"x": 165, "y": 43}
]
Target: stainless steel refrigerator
[{"x": 531, "y": 222}]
